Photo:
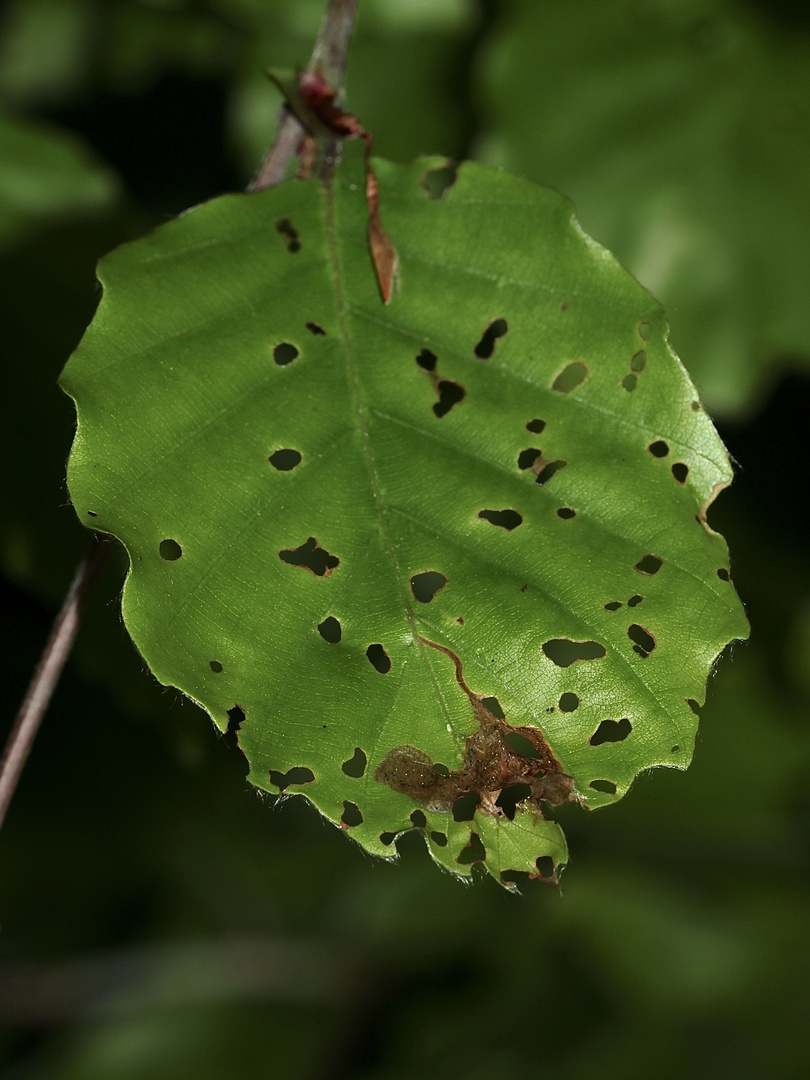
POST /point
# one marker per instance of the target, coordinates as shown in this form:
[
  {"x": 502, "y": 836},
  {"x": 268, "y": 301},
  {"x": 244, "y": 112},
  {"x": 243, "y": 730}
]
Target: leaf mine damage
[
  {"x": 489, "y": 764},
  {"x": 311, "y": 557}
]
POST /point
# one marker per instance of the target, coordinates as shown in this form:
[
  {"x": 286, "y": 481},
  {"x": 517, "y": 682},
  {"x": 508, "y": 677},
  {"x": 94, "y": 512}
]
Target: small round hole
[
  {"x": 285, "y": 460},
  {"x": 285, "y": 353},
  {"x": 215, "y": 666},
  {"x": 170, "y": 550}
]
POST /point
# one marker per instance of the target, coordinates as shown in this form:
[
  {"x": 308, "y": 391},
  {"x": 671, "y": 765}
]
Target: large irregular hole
[
  {"x": 505, "y": 519},
  {"x": 316, "y": 328},
  {"x": 607, "y": 786},
  {"x": 464, "y": 807},
  {"x": 284, "y": 226},
  {"x": 427, "y": 360},
  {"x": 418, "y": 819},
  {"x": 545, "y": 867},
  {"x": 649, "y": 565},
  {"x": 296, "y": 776},
  {"x": 284, "y": 353},
  {"x": 379, "y": 658},
  {"x": 568, "y": 702},
  {"x": 489, "y": 339},
  {"x": 170, "y": 550},
  {"x": 536, "y": 426},
  {"x": 658, "y": 448},
  {"x": 611, "y": 731},
  {"x": 491, "y": 704},
  {"x": 680, "y": 472},
  {"x": 473, "y": 852},
  {"x": 285, "y": 460},
  {"x": 310, "y": 556},
  {"x": 551, "y": 468},
  {"x": 563, "y": 652},
  {"x": 527, "y": 457},
  {"x": 425, "y": 586},
  {"x": 351, "y": 815},
  {"x": 571, "y": 376},
  {"x": 644, "y": 642},
  {"x": 330, "y": 630},
  {"x": 356, "y": 765},
  {"x": 510, "y": 797},
  {"x": 450, "y": 394},
  {"x": 521, "y": 744},
  {"x": 437, "y": 181}
]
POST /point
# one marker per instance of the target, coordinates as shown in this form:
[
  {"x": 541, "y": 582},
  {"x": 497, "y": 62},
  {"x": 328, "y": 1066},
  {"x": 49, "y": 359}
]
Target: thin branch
[
  {"x": 329, "y": 57},
  {"x": 46, "y": 676}
]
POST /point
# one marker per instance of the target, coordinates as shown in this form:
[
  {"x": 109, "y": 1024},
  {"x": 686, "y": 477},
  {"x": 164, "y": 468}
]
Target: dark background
[{"x": 161, "y": 919}]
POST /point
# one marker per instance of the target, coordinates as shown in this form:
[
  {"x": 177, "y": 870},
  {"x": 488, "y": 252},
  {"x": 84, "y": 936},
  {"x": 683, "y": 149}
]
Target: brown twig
[
  {"x": 46, "y": 676},
  {"x": 329, "y": 57}
]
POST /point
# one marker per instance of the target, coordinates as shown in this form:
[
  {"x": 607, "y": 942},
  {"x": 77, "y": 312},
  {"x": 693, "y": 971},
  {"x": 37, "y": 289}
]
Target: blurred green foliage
[{"x": 158, "y": 919}]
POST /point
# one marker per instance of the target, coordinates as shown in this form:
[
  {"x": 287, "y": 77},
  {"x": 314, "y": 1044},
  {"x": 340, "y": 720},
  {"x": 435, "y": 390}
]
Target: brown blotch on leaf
[{"x": 488, "y": 764}]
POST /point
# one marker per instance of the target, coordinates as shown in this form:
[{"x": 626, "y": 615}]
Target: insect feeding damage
[{"x": 489, "y": 764}]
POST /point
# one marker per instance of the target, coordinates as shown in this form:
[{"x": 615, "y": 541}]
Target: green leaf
[
  {"x": 358, "y": 525},
  {"x": 681, "y": 131},
  {"x": 46, "y": 175}
]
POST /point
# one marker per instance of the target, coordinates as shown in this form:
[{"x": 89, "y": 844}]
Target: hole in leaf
[
  {"x": 505, "y": 519},
  {"x": 215, "y": 666},
  {"x": 464, "y": 807},
  {"x": 527, "y": 458},
  {"x": 644, "y": 331},
  {"x": 545, "y": 866},
  {"x": 723, "y": 574},
  {"x": 510, "y": 797},
  {"x": 680, "y": 472},
  {"x": 310, "y": 556},
  {"x": 427, "y": 360},
  {"x": 387, "y": 838},
  {"x": 437, "y": 181},
  {"x": 658, "y": 448},
  {"x": 614, "y": 605},
  {"x": 649, "y": 565},
  {"x": 568, "y": 702},
  {"x": 285, "y": 353},
  {"x": 92, "y": 513},
  {"x": 629, "y": 382},
  {"x": 643, "y": 638},
  {"x": 563, "y": 652},
  {"x": 566, "y": 513},
  {"x": 315, "y": 328},
  {"x": 486, "y": 346},
  {"x": 330, "y": 630},
  {"x": 675, "y": 749},
  {"x": 441, "y": 769},
  {"x": 236, "y": 718},
  {"x": 285, "y": 460},
  {"x": 695, "y": 406},
  {"x": 439, "y": 838},
  {"x": 170, "y": 550},
  {"x": 550, "y": 469},
  {"x": 521, "y": 744},
  {"x": 491, "y": 704},
  {"x": 634, "y": 601},
  {"x": 450, "y": 394},
  {"x": 356, "y": 765},
  {"x": 693, "y": 705},
  {"x": 536, "y": 426},
  {"x": 473, "y": 852},
  {"x": 639, "y": 361},
  {"x": 284, "y": 226},
  {"x": 351, "y": 815},
  {"x": 297, "y": 775},
  {"x": 418, "y": 819},
  {"x": 379, "y": 658},
  {"x": 425, "y": 586},
  {"x": 611, "y": 731},
  {"x": 571, "y": 376},
  {"x": 607, "y": 786}
]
